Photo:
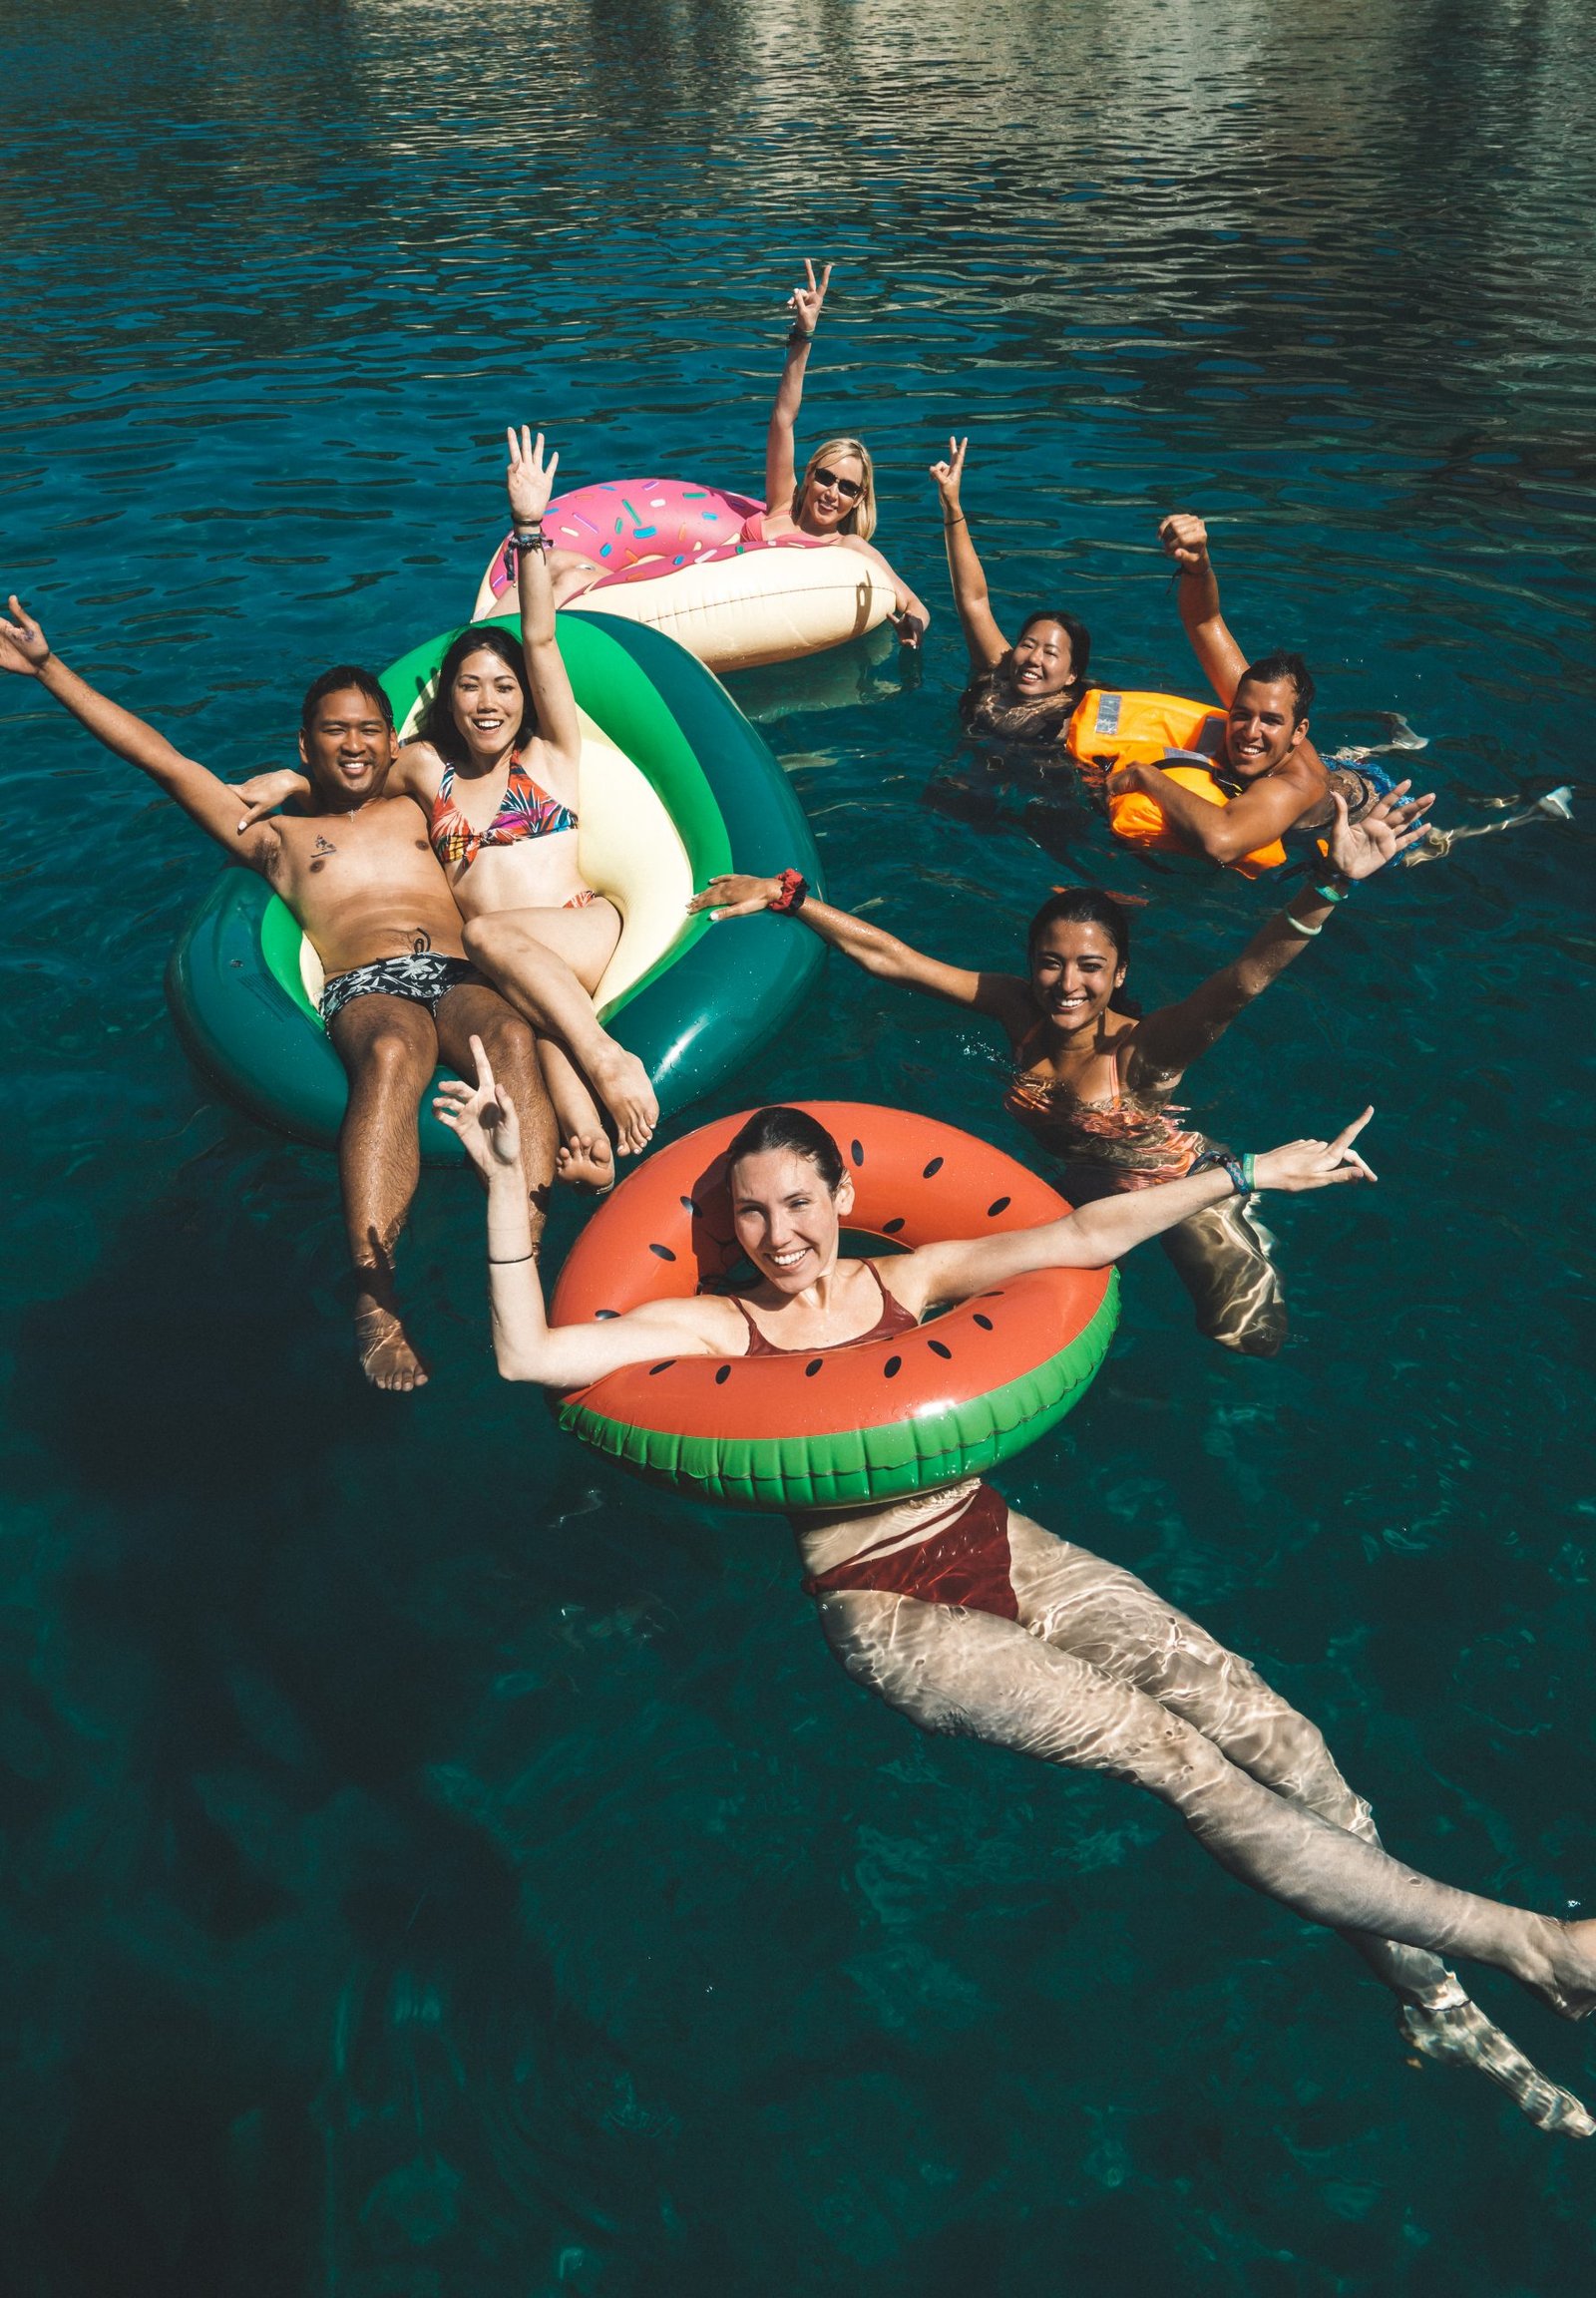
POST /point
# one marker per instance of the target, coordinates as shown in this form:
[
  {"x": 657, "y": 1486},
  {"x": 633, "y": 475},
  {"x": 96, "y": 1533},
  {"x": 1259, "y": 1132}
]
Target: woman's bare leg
[
  {"x": 1122, "y": 1627},
  {"x": 548, "y": 963},
  {"x": 583, "y": 1159},
  {"x": 970, "y": 1673}
]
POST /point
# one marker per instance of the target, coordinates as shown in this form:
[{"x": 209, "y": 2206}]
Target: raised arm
[
  {"x": 1096, "y": 1234},
  {"x": 531, "y": 482},
  {"x": 1003, "y": 995},
  {"x": 525, "y": 1345},
  {"x": 1168, "y": 1041},
  {"x": 986, "y": 643},
  {"x": 1185, "y": 538},
  {"x": 26, "y": 652},
  {"x": 806, "y": 303}
]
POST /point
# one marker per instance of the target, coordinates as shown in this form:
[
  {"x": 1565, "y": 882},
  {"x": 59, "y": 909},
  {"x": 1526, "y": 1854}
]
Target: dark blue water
[{"x": 434, "y": 1865}]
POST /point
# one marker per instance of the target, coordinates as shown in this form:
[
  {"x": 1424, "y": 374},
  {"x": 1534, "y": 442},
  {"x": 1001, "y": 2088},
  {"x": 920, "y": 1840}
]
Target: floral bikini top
[{"x": 525, "y": 811}]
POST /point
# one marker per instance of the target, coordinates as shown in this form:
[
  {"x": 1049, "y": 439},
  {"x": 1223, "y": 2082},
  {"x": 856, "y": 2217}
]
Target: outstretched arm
[
  {"x": 1096, "y": 1234},
  {"x": 1170, "y": 1041},
  {"x": 1003, "y": 995},
  {"x": 986, "y": 643},
  {"x": 1185, "y": 538},
  {"x": 531, "y": 482},
  {"x": 806, "y": 303},
  {"x": 26, "y": 652},
  {"x": 911, "y": 615},
  {"x": 525, "y": 1345}
]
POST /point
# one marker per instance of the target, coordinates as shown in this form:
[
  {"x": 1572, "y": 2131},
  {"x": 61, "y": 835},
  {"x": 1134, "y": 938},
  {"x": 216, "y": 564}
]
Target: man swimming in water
[
  {"x": 358, "y": 874},
  {"x": 1276, "y": 779}
]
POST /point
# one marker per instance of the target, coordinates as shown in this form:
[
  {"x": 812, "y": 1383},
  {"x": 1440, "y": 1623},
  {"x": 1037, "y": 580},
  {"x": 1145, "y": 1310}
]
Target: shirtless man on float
[
  {"x": 1280, "y": 779},
  {"x": 358, "y": 874}
]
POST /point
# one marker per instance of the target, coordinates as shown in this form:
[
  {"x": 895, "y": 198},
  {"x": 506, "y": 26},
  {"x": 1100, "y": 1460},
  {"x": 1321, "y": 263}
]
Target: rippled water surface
[{"x": 433, "y": 1864}]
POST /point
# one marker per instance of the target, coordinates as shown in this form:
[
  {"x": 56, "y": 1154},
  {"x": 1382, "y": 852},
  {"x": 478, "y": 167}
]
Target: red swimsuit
[{"x": 958, "y": 1557}]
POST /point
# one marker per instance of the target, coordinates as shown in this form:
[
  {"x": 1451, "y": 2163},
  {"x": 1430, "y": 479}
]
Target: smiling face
[
  {"x": 786, "y": 1218},
  {"x": 1074, "y": 970},
  {"x": 1041, "y": 662},
  {"x": 349, "y": 747},
  {"x": 1262, "y": 728},
  {"x": 826, "y": 502},
  {"x": 487, "y": 702}
]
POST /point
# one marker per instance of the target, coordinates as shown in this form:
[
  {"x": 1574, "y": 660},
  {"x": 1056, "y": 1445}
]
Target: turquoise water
[{"x": 434, "y": 1865}]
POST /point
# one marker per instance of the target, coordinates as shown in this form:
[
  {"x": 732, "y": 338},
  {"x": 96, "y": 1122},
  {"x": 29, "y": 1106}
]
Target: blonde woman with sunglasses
[{"x": 835, "y": 501}]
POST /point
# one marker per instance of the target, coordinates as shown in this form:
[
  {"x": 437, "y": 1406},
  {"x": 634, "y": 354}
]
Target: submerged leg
[
  {"x": 1222, "y": 1257},
  {"x": 388, "y": 1047},
  {"x": 1108, "y": 1616},
  {"x": 972, "y": 1673}
]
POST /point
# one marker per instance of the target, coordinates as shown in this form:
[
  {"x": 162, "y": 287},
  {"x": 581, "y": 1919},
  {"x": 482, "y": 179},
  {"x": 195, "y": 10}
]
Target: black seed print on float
[
  {"x": 856, "y": 1152},
  {"x": 688, "y": 1206},
  {"x": 814, "y": 1365},
  {"x": 601, "y": 1316},
  {"x": 891, "y": 1228},
  {"x": 999, "y": 1204},
  {"x": 934, "y": 1167},
  {"x": 663, "y": 1251},
  {"x": 893, "y": 1366},
  {"x": 941, "y": 1349},
  {"x": 723, "y": 1375},
  {"x": 985, "y": 1323},
  {"x": 664, "y": 1368}
]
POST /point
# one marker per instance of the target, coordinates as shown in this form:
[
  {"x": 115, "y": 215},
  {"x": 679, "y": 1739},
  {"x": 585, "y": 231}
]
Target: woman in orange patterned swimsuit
[{"x": 1093, "y": 1080}]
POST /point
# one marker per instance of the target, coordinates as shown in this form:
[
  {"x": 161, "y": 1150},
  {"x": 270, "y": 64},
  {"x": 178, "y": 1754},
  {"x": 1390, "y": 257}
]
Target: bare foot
[
  {"x": 622, "y": 1084},
  {"x": 584, "y": 1161},
  {"x": 386, "y": 1357},
  {"x": 1458, "y": 2033}
]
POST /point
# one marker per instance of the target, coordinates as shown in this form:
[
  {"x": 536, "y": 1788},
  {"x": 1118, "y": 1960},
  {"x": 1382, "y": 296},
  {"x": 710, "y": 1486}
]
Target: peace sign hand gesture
[
  {"x": 484, "y": 1118},
  {"x": 805, "y": 303},
  {"x": 948, "y": 475},
  {"x": 530, "y": 480},
  {"x": 1315, "y": 1164}
]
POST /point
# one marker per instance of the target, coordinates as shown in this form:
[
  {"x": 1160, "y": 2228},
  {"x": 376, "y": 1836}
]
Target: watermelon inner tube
[{"x": 869, "y": 1422}]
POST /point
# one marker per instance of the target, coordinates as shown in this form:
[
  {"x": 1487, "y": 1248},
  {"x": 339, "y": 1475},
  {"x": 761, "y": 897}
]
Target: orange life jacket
[{"x": 1112, "y": 728}]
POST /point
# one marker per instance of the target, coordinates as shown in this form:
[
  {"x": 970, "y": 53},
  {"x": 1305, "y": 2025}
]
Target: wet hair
[
  {"x": 437, "y": 722},
  {"x": 1273, "y": 670},
  {"x": 1088, "y": 906},
  {"x": 990, "y": 706},
  {"x": 340, "y": 678},
  {"x": 860, "y": 518},
  {"x": 792, "y": 1129}
]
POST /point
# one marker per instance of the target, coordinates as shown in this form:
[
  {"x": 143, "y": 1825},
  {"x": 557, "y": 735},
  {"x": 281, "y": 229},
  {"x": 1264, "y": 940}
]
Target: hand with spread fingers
[
  {"x": 484, "y": 1118},
  {"x": 1303, "y": 1165},
  {"x": 530, "y": 480},
  {"x": 1391, "y": 826}
]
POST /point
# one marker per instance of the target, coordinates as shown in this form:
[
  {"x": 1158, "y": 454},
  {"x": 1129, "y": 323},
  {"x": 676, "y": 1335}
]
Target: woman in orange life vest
[
  {"x": 1092, "y": 1080},
  {"x": 1025, "y": 692},
  {"x": 970, "y": 1618}
]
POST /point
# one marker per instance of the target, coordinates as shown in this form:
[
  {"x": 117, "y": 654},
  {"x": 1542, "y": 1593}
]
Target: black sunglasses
[{"x": 849, "y": 488}]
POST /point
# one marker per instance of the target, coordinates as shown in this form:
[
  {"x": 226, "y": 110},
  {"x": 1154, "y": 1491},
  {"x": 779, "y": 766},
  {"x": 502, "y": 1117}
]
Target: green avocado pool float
[{"x": 676, "y": 786}]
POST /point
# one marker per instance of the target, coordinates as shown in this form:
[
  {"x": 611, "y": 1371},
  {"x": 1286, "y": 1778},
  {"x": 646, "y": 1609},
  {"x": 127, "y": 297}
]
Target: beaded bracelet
[
  {"x": 526, "y": 539},
  {"x": 794, "y": 886}
]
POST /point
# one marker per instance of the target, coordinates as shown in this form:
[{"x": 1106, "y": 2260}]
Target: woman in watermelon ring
[
  {"x": 1093, "y": 1078},
  {"x": 970, "y": 1618}
]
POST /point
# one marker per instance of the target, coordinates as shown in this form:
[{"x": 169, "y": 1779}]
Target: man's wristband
[
  {"x": 1333, "y": 887},
  {"x": 793, "y": 885}
]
